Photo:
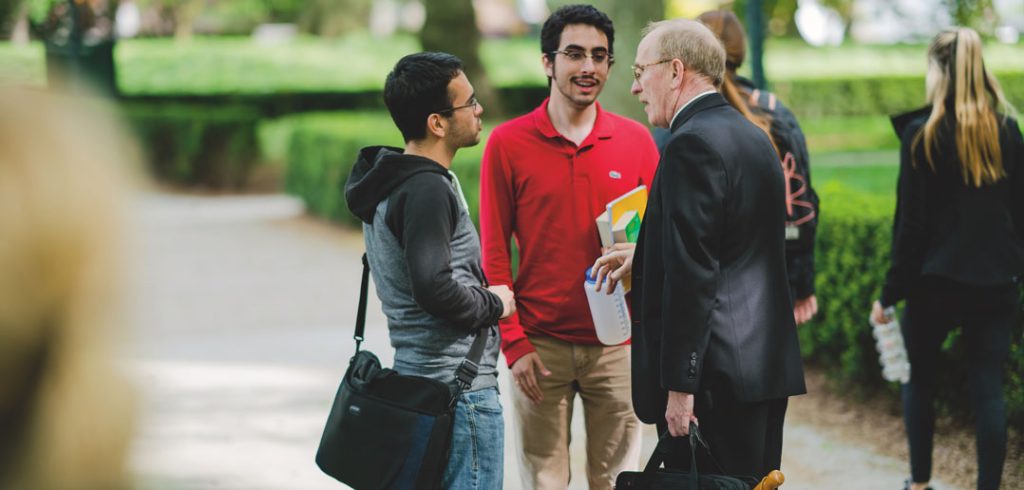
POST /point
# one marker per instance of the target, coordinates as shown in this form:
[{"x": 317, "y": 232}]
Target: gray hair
[{"x": 692, "y": 43}]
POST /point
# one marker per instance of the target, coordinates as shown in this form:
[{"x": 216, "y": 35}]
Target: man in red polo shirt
[{"x": 545, "y": 177}]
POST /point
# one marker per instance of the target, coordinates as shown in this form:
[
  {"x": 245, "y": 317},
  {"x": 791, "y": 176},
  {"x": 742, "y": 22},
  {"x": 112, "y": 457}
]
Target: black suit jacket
[
  {"x": 946, "y": 228},
  {"x": 710, "y": 295}
]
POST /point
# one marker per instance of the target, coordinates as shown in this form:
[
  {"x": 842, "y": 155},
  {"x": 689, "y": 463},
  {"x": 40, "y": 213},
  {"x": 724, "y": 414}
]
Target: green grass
[
  {"x": 877, "y": 179},
  {"x": 225, "y": 65},
  {"x": 856, "y": 158},
  {"x": 22, "y": 64},
  {"x": 862, "y": 153},
  {"x": 850, "y": 133}
]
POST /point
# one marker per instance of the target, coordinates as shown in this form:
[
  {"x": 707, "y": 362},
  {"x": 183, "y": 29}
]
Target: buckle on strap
[{"x": 466, "y": 373}]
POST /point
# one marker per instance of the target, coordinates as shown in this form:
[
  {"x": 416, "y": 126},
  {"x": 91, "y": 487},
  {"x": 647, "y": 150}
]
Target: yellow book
[
  {"x": 634, "y": 200},
  {"x": 611, "y": 221}
]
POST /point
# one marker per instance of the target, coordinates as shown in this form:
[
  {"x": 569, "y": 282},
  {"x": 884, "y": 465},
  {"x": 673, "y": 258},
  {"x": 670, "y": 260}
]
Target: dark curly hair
[{"x": 551, "y": 33}]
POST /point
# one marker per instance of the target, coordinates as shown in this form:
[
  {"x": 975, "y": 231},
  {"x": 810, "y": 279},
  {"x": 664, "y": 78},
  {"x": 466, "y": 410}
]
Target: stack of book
[{"x": 620, "y": 223}]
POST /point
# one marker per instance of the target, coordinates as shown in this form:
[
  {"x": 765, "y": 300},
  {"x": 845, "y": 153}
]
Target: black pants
[
  {"x": 986, "y": 314},
  {"x": 745, "y": 439}
]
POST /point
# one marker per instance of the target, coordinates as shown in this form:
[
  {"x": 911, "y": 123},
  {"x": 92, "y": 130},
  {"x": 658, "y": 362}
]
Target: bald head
[{"x": 692, "y": 43}]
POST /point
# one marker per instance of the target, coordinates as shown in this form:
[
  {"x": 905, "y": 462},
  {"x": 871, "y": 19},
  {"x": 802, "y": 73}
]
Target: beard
[{"x": 465, "y": 135}]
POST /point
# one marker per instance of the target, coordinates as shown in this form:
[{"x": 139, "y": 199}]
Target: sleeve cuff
[
  {"x": 517, "y": 349},
  {"x": 682, "y": 375},
  {"x": 889, "y": 297}
]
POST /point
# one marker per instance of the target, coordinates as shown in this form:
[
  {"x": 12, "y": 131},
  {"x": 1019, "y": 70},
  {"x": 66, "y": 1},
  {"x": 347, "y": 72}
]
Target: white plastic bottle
[
  {"x": 609, "y": 311},
  {"x": 892, "y": 353}
]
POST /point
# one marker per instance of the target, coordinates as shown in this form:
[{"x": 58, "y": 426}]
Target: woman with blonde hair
[
  {"x": 766, "y": 112},
  {"x": 957, "y": 246},
  {"x": 65, "y": 413}
]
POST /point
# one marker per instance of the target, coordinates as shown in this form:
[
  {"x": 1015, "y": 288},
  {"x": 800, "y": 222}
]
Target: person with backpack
[{"x": 765, "y": 110}]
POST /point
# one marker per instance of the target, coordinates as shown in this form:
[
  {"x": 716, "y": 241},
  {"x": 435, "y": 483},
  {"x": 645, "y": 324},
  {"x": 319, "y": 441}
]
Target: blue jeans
[{"x": 478, "y": 443}]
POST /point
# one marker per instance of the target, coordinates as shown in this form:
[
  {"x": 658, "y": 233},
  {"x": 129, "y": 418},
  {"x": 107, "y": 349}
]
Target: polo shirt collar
[{"x": 604, "y": 126}]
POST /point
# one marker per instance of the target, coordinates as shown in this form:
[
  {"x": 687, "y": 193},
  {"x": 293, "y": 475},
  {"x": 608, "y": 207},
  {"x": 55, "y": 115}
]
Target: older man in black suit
[{"x": 714, "y": 341}]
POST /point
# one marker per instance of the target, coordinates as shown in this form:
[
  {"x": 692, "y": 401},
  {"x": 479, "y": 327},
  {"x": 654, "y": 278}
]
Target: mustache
[{"x": 587, "y": 78}]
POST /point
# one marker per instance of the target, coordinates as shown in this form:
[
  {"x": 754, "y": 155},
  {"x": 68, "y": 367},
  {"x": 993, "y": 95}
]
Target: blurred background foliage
[{"x": 278, "y": 95}]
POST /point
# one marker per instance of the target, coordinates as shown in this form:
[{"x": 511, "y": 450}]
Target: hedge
[
  {"x": 322, "y": 151},
  {"x": 852, "y": 255},
  {"x": 810, "y": 98},
  {"x": 192, "y": 145},
  {"x": 870, "y": 95}
]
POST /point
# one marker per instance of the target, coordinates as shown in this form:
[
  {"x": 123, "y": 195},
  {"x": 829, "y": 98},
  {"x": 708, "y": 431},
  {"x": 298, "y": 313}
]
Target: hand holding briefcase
[{"x": 653, "y": 477}]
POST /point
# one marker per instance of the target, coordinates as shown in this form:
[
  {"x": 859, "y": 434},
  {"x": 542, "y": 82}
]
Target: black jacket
[
  {"x": 946, "y": 228},
  {"x": 792, "y": 146},
  {"x": 711, "y": 305}
]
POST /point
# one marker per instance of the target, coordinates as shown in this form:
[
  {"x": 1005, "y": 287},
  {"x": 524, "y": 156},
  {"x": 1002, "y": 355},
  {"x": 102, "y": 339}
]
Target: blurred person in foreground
[
  {"x": 66, "y": 414},
  {"x": 715, "y": 343},
  {"x": 545, "y": 177},
  {"x": 957, "y": 246},
  {"x": 424, "y": 253},
  {"x": 768, "y": 113}
]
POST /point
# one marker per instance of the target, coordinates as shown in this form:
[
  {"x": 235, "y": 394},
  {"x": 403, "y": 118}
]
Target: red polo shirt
[{"x": 540, "y": 188}]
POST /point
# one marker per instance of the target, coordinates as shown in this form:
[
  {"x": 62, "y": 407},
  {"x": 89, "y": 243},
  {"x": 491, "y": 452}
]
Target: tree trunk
[
  {"x": 334, "y": 18},
  {"x": 14, "y": 21},
  {"x": 185, "y": 15},
  {"x": 450, "y": 27},
  {"x": 77, "y": 64},
  {"x": 9, "y": 12},
  {"x": 629, "y": 19}
]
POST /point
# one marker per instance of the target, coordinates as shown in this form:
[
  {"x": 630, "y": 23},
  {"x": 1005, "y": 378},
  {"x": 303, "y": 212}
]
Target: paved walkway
[{"x": 242, "y": 323}]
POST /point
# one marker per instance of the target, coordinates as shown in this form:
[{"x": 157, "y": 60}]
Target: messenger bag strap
[
  {"x": 361, "y": 311},
  {"x": 470, "y": 366}
]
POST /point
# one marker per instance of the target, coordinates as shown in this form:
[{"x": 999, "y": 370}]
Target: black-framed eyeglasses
[
  {"x": 599, "y": 57},
  {"x": 472, "y": 103},
  {"x": 638, "y": 70}
]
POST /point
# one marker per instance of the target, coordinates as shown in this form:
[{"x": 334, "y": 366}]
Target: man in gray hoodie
[{"x": 424, "y": 253}]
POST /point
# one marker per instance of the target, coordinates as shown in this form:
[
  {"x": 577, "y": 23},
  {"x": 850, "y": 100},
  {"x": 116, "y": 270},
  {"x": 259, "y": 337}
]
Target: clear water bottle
[
  {"x": 609, "y": 311},
  {"x": 892, "y": 353}
]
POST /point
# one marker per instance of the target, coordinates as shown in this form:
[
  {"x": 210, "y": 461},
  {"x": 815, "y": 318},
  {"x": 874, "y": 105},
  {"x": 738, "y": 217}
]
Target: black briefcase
[
  {"x": 387, "y": 430},
  {"x": 653, "y": 477}
]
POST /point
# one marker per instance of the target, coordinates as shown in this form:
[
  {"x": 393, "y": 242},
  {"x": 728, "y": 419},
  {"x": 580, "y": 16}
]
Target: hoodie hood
[
  {"x": 900, "y": 122},
  {"x": 378, "y": 170}
]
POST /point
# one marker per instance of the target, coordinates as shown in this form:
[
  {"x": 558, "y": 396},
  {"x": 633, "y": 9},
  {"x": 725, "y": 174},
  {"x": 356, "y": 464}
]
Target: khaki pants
[{"x": 601, "y": 376}]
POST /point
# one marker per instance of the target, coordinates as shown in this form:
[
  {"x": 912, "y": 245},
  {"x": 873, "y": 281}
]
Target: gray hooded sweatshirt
[{"x": 424, "y": 254}]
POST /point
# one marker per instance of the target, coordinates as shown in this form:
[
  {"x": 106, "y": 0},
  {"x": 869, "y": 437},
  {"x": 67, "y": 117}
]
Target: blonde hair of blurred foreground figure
[
  {"x": 66, "y": 414},
  {"x": 957, "y": 80}
]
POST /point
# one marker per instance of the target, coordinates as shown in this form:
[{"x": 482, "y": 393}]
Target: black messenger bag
[
  {"x": 387, "y": 430},
  {"x": 653, "y": 477}
]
